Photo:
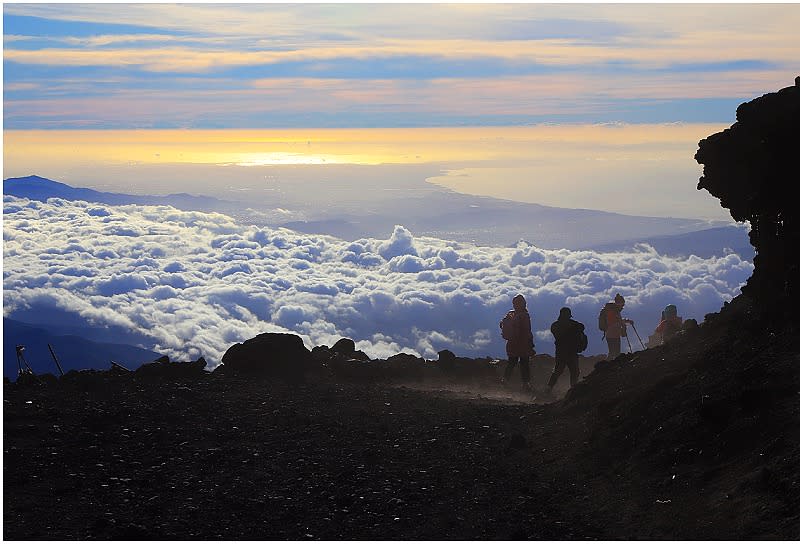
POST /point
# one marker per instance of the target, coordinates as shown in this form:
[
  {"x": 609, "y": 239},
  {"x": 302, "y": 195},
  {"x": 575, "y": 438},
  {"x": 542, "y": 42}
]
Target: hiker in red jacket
[
  {"x": 670, "y": 324},
  {"x": 516, "y": 329},
  {"x": 615, "y": 325}
]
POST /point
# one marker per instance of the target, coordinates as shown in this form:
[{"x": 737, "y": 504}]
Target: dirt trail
[{"x": 503, "y": 395}]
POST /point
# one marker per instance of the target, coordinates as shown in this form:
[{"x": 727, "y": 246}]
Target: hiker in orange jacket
[{"x": 616, "y": 326}]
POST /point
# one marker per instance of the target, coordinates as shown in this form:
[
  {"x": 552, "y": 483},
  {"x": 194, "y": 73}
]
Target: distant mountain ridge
[
  {"x": 702, "y": 243},
  {"x": 73, "y": 352},
  {"x": 39, "y": 188},
  {"x": 446, "y": 215}
]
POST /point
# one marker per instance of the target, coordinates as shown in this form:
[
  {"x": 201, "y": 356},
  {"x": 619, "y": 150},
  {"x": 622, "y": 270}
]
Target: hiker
[
  {"x": 655, "y": 339},
  {"x": 516, "y": 329},
  {"x": 613, "y": 325},
  {"x": 570, "y": 340},
  {"x": 670, "y": 324}
]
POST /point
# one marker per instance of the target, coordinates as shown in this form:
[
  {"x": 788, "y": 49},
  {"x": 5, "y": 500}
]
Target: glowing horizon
[
  {"x": 633, "y": 169},
  {"x": 22, "y": 148}
]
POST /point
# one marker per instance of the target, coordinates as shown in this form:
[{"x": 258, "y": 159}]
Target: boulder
[
  {"x": 447, "y": 360},
  {"x": 405, "y": 366},
  {"x": 269, "y": 354},
  {"x": 163, "y": 368},
  {"x": 690, "y": 325},
  {"x": 447, "y": 355},
  {"x": 345, "y": 346},
  {"x": 405, "y": 359}
]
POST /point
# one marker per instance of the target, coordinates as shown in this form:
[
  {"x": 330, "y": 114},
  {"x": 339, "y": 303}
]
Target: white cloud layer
[{"x": 196, "y": 283}]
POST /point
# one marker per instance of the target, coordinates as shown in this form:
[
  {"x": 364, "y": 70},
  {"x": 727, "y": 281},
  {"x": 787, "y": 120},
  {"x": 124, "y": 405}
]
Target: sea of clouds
[{"x": 196, "y": 283}]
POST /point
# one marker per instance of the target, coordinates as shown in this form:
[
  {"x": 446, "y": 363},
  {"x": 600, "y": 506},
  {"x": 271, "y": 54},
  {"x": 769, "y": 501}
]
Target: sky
[
  {"x": 597, "y": 106},
  {"x": 537, "y": 101},
  {"x": 202, "y": 65}
]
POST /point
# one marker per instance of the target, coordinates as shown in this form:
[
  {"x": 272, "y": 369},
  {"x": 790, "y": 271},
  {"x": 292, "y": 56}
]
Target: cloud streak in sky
[
  {"x": 388, "y": 65},
  {"x": 195, "y": 283}
]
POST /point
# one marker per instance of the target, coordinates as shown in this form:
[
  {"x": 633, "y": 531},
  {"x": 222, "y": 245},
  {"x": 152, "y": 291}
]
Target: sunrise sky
[{"x": 542, "y": 96}]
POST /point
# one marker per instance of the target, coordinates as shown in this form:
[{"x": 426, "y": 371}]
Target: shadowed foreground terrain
[{"x": 696, "y": 439}]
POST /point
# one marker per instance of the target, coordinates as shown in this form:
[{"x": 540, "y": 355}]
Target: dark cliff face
[{"x": 752, "y": 167}]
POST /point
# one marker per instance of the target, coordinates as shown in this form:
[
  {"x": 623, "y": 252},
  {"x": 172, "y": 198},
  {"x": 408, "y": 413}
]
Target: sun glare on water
[{"x": 267, "y": 159}]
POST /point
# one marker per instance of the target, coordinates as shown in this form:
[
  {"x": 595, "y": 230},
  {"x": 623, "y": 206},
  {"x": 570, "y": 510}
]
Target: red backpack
[
  {"x": 602, "y": 319},
  {"x": 507, "y": 326}
]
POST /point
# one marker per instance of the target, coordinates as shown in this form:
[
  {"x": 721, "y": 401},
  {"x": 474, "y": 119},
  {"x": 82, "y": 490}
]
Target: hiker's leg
[
  {"x": 574, "y": 371},
  {"x": 613, "y": 348},
  {"x": 524, "y": 369},
  {"x": 558, "y": 368},
  {"x": 510, "y": 367}
]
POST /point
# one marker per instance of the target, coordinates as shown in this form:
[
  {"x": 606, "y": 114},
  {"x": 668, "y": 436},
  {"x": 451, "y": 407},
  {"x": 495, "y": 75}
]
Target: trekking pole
[
  {"x": 630, "y": 348},
  {"x": 27, "y": 371},
  {"x": 53, "y": 353},
  {"x": 21, "y": 360},
  {"x": 115, "y": 364},
  {"x": 637, "y": 335}
]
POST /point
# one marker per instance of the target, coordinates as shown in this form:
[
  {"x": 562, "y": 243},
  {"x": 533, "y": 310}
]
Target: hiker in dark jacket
[
  {"x": 519, "y": 342},
  {"x": 567, "y": 333}
]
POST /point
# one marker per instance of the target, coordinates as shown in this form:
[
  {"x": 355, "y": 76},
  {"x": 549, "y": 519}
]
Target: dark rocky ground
[{"x": 694, "y": 440}]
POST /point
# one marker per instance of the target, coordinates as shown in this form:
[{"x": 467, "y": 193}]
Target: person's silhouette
[
  {"x": 519, "y": 342},
  {"x": 567, "y": 333}
]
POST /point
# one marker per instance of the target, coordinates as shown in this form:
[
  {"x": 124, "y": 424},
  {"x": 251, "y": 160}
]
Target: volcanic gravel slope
[{"x": 694, "y": 440}]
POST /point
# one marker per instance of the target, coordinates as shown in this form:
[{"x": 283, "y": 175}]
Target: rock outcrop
[{"x": 752, "y": 168}]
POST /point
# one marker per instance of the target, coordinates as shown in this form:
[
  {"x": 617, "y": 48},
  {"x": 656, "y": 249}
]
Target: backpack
[
  {"x": 583, "y": 341},
  {"x": 507, "y": 326},
  {"x": 602, "y": 319}
]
